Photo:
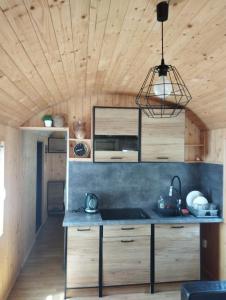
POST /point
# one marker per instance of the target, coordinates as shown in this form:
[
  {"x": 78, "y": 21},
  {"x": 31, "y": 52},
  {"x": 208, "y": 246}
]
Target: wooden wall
[
  {"x": 29, "y": 165},
  {"x": 215, "y": 153},
  {"x": 19, "y": 212},
  {"x": 55, "y": 166},
  {"x": 11, "y": 248}
]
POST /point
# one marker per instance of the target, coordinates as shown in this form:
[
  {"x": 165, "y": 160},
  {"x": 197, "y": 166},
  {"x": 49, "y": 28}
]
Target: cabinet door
[
  {"x": 116, "y": 156},
  {"x": 126, "y": 260},
  {"x": 177, "y": 253},
  {"x": 82, "y": 257},
  {"x": 162, "y": 139},
  {"x": 116, "y": 121}
]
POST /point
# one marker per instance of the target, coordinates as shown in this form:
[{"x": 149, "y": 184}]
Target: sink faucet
[
  {"x": 179, "y": 201},
  {"x": 172, "y": 186}
]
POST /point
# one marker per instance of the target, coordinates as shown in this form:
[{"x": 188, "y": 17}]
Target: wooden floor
[{"x": 42, "y": 277}]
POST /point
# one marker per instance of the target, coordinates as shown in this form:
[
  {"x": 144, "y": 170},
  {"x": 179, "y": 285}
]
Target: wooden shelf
[
  {"x": 79, "y": 140},
  {"x": 84, "y": 159},
  {"x": 72, "y": 142},
  {"x": 194, "y": 145},
  {"x": 45, "y": 128},
  {"x": 194, "y": 161}
]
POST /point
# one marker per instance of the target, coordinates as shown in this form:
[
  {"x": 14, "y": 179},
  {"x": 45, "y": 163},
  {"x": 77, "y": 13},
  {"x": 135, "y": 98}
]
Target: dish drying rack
[{"x": 203, "y": 213}]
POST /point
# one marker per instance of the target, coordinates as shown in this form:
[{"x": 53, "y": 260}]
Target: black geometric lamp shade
[{"x": 163, "y": 93}]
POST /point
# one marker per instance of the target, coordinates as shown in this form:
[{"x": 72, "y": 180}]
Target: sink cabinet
[
  {"x": 82, "y": 257},
  {"x": 126, "y": 255},
  {"x": 177, "y": 252}
]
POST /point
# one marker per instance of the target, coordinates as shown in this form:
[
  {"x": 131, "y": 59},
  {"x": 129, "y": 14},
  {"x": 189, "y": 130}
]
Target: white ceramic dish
[
  {"x": 200, "y": 202},
  {"x": 191, "y": 196}
]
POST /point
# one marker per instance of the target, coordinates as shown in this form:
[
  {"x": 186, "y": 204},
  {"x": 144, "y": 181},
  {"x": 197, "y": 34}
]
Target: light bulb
[{"x": 163, "y": 87}]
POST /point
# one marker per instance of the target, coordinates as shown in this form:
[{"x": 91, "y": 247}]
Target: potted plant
[{"x": 48, "y": 121}]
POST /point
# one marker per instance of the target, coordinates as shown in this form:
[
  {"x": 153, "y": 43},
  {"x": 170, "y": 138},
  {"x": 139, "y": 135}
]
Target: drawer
[
  {"x": 126, "y": 230},
  {"x": 116, "y": 156},
  {"x": 181, "y": 231},
  {"x": 91, "y": 232}
]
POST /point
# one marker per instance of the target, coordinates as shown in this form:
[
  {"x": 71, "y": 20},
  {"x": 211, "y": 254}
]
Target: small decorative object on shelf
[
  {"x": 197, "y": 158},
  {"x": 58, "y": 121},
  {"x": 82, "y": 150},
  {"x": 48, "y": 121},
  {"x": 79, "y": 129}
]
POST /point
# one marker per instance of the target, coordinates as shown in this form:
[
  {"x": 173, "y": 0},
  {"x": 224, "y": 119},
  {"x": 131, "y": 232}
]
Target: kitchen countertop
[{"x": 84, "y": 219}]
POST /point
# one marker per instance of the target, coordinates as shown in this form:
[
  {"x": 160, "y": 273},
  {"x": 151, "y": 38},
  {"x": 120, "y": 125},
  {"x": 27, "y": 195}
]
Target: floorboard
[{"x": 42, "y": 277}]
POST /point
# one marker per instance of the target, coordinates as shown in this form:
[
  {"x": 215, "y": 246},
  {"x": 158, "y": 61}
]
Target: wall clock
[{"x": 81, "y": 149}]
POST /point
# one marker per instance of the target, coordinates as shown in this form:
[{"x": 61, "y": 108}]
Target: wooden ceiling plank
[
  {"x": 98, "y": 19},
  {"x": 150, "y": 56},
  {"x": 11, "y": 44},
  {"x": 145, "y": 24},
  {"x": 61, "y": 19},
  {"x": 19, "y": 19},
  {"x": 116, "y": 16},
  {"x": 133, "y": 16},
  {"x": 8, "y": 67},
  {"x": 80, "y": 13},
  {"x": 13, "y": 104},
  {"x": 42, "y": 23},
  {"x": 12, "y": 90}
]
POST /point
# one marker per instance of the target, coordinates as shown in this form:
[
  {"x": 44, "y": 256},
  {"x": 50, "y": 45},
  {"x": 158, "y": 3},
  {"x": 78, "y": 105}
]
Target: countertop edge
[{"x": 83, "y": 219}]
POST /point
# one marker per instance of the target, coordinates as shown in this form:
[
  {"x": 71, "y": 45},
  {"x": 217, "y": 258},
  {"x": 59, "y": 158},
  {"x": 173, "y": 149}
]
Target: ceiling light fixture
[{"x": 163, "y": 93}]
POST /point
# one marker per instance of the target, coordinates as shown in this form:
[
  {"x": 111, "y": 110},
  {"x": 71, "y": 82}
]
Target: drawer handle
[
  {"x": 127, "y": 241},
  {"x": 127, "y": 228},
  {"x": 85, "y": 229},
  {"x": 162, "y": 157},
  {"x": 116, "y": 157},
  {"x": 177, "y": 227}
]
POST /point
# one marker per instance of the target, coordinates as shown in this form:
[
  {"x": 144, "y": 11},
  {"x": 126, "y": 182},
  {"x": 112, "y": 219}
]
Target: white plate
[
  {"x": 191, "y": 196},
  {"x": 200, "y": 201}
]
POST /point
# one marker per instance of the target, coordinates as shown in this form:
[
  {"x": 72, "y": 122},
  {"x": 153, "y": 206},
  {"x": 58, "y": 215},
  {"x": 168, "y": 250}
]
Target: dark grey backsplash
[
  {"x": 211, "y": 182},
  {"x": 140, "y": 184}
]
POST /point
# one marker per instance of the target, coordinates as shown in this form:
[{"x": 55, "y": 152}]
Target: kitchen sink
[{"x": 123, "y": 214}]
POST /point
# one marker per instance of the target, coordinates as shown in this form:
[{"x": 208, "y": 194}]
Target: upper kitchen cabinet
[
  {"x": 116, "y": 121},
  {"x": 162, "y": 139},
  {"x": 116, "y": 134}
]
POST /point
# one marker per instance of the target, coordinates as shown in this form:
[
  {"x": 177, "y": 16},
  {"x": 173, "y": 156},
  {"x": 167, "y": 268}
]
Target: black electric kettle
[{"x": 91, "y": 203}]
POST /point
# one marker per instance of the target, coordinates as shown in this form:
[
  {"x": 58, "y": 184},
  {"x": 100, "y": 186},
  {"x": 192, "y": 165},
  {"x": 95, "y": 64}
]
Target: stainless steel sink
[{"x": 123, "y": 214}]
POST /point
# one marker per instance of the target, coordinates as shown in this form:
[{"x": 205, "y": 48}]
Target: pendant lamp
[{"x": 163, "y": 93}]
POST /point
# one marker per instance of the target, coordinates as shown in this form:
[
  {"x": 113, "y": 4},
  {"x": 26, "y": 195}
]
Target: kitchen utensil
[
  {"x": 91, "y": 203},
  {"x": 191, "y": 196}
]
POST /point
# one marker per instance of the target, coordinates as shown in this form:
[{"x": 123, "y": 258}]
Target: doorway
[{"x": 39, "y": 185}]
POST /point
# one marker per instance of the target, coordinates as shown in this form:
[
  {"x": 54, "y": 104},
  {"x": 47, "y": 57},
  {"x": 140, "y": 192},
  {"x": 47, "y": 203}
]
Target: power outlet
[{"x": 204, "y": 243}]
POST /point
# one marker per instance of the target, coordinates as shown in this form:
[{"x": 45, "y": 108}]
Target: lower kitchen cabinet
[
  {"x": 82, "y": 257},
  {"x": 126, "y": 259},
  {"x": 177, "y": 252}
]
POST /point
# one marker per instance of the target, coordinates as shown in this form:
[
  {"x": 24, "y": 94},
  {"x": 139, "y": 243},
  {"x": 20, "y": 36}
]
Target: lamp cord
[{"x": 162, "y": 44}]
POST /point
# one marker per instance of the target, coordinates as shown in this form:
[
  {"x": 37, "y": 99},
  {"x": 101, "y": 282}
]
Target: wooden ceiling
[{"x": 53, "y": 51}]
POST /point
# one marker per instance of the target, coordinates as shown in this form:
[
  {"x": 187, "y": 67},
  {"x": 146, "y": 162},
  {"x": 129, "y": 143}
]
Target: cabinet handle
[
  {"x": 127, "y": 228},
  {"x": 116, "y": 157},
  {"x": 127, "y": 241},
  {"x": 85, "y": 229},
  {"x": 162, "y": 157},
  {"x": 177, "y": 227}
]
